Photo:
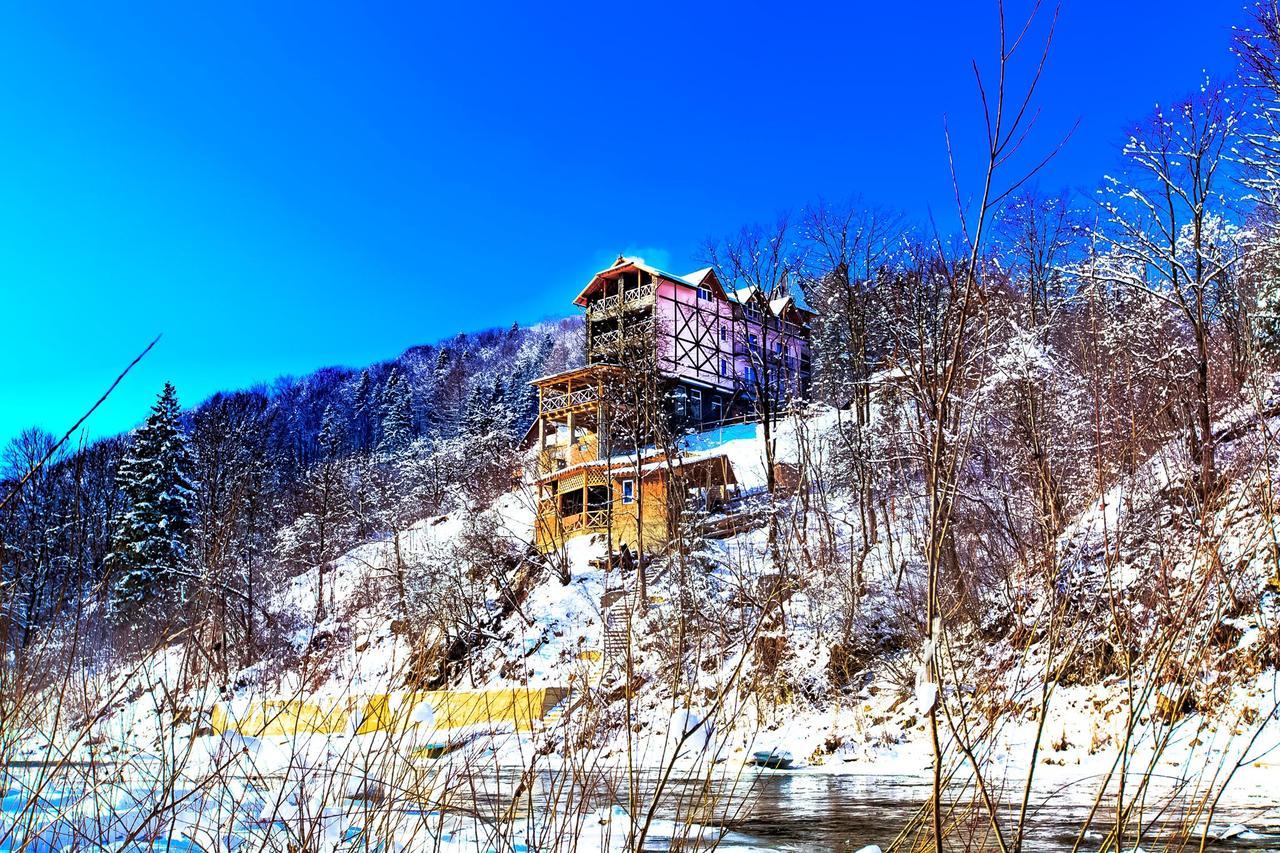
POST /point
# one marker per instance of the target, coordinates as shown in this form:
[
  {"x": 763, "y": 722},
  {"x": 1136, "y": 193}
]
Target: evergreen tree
[
  {"x": 331, "y": 438},
  {"x": 148, "y": 548},
  {"x": 487, "y": 412},
  {"x": 522, "y": 396},
  {"x": 362, "y": 413},
  {"x": 397, "y": 414}
]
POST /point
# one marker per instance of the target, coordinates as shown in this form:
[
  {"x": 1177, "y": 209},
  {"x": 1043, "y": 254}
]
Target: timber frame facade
[{"x": 659, "y": 347}]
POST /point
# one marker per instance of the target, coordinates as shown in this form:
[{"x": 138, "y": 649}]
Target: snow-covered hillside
[{"x": 745, "y": 642}]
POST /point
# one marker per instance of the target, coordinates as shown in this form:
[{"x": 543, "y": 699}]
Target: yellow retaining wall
[{"x": 519, "y": 707}]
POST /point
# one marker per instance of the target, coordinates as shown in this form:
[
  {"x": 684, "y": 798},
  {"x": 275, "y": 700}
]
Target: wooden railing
[
  {"x": 624, "y": 300},
  {"x": 590, "y": 520},
  {"x": 557, "y": 400},
  {"x": 618, "y": 337}
]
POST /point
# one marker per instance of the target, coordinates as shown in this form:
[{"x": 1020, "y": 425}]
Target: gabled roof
[
  {"x": 697, "y": 276},
  {"x": 705, "y": 277},
  {"x": 777, "y": 306}
]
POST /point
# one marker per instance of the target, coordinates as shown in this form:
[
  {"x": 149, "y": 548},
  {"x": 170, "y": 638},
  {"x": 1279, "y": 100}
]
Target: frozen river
[{"x": 764, "y": 811}]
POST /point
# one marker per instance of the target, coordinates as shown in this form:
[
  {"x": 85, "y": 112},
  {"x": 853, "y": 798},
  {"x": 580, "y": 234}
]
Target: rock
[{"x": 1238, "y": 831}]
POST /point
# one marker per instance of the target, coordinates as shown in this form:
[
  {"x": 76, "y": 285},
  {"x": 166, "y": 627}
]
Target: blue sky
[{"x": 279, "y": 187}]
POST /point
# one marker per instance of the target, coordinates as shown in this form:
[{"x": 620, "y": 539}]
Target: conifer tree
[
  {"x": 487, "y": 412},
  {"x": 362, "y": 412},
  {"x": 397, "y": 414},
  {"x": 148, "y": 548}
]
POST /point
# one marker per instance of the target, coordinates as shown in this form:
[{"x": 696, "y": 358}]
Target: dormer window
[{"x": 704, "y": 294}]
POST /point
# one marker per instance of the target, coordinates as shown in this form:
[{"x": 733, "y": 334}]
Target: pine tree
[
  {"x": 331, "y": 438},
  {"x": 521, "y": 395},
  {"x": 362, "y": 412},
  {"x": 487, "y": 412},
  {"x": 148, "y": 548},
  {"x": 397, "y": 414}
]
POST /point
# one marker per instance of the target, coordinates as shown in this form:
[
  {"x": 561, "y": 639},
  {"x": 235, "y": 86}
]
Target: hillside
[{"x": 1148, "y": 658}]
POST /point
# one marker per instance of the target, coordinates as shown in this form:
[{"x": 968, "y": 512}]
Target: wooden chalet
[{"x": 705, "y": 349}]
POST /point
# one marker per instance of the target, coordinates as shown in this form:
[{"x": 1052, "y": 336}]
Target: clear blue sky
[{"x": 281, "y": 187}]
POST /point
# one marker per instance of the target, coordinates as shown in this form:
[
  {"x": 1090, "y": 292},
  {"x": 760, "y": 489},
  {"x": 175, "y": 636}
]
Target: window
[
  {"x": 628, "y": 491},
  {"x": 777, "y": 347},
  {"x": 724, "y": 367},
  {"x": 749, "y": 373},
  {"x": 597, "y": 498},
  {"x": 753, "y": 314},
  {"x": 704, "y": 294},
  {"x": 717, "y": 409},
  {"x": 724, "y": 333},
  {"x": 571, "y": 503},
  {"x": 695, "y": 404}
]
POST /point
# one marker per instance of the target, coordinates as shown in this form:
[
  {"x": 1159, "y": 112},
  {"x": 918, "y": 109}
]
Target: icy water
[
  {"x": 820, "y": 812},
  {"x": 761, "y": 811}
]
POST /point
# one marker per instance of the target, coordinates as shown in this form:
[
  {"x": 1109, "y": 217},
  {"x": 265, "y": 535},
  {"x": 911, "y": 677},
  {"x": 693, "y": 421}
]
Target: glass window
[
  {"x": 628, "y": 491},
  {"x": 703, "y": 293},
  {"x": 695, "y": 404}
]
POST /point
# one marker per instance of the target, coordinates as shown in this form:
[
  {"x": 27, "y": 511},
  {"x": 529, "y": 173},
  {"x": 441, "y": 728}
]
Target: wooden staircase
[{"x": 617, "y": 605}]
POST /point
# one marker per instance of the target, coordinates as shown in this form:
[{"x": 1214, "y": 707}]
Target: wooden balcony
[
  {"x": 637, "y": 335},
  {"x": 574, "y": 391},
  {"x": 593, "y": 519},
  {"x": 629, "y": 300},
  {"x": 585, "y": 397}
]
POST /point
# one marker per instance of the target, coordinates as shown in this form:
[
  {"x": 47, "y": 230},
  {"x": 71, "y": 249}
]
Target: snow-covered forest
[{"x": 1020, "y": 546}]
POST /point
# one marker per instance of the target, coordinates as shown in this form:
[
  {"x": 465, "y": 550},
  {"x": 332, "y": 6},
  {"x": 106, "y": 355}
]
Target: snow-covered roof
[
  {"x": 777, "y": 305},
  {"x": 575, "y": 372},
  {"x": 650, "y": 462},
  {"x": 697, "y": 278}
]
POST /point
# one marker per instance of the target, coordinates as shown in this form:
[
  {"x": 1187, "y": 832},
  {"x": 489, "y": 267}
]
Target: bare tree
[
  {"x": 1166, "y": 219},
  {"x": 760, "y": 263}
]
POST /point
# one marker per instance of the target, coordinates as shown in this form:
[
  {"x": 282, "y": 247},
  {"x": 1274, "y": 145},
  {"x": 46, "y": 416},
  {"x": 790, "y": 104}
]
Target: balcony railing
[
  {"x": 559, "y": 400},
  {"x": 589, "y": 520},
  {"x": 605, "y": 341},
  {"x": 623, "y": 301}
]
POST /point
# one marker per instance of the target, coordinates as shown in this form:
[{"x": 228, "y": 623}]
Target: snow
[{"x": 875, "y": 728}]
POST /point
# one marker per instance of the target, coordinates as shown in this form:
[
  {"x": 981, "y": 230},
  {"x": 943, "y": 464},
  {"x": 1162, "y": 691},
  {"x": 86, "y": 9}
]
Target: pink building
[{"x": 720, "y": 350}]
